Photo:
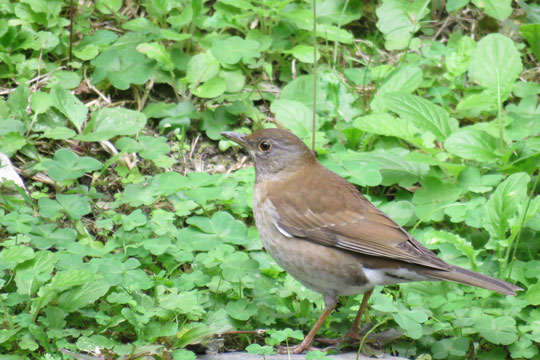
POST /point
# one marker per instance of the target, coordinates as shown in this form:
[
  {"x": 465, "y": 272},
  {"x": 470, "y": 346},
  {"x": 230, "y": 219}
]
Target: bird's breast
[{"x": 324, "y": 269}]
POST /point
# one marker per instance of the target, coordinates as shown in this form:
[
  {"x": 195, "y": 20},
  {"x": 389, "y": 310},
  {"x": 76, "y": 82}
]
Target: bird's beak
[{"x": 236, "y": 137}]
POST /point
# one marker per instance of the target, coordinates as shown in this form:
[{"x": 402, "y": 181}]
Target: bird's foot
[
  {"x": 352, "y": 337},
  {"x": 296, "y": 349}
]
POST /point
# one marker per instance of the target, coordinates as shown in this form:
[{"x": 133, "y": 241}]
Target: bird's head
[{"x": 277, "y": 153}]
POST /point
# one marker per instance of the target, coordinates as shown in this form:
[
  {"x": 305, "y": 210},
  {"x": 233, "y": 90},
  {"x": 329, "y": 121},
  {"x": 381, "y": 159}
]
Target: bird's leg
[
  {"x": 306, "y": 344},
  {"x": 353, "y": 331}
]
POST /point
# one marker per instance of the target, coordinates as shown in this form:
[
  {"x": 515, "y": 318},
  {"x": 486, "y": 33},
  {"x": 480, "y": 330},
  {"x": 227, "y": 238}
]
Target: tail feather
[{"x": 469, "y": 277}]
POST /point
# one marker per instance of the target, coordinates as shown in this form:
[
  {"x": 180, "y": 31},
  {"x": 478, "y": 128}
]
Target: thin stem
[{"x": 314, "y": 73}]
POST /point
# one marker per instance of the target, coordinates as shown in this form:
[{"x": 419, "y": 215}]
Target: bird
[{"x": 323, "y": 232}]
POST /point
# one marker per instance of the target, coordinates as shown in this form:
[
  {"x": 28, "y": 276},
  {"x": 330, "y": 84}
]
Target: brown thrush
[{"x": 327, "y": 235}]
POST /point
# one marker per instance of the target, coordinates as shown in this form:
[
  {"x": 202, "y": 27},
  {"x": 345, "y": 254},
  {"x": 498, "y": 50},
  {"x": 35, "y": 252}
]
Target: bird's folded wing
[{"x": 360, "y": 228}]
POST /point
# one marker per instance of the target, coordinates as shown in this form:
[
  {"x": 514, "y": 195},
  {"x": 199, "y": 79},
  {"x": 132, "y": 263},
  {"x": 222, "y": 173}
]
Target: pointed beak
[{"x": 236, "y": 137}]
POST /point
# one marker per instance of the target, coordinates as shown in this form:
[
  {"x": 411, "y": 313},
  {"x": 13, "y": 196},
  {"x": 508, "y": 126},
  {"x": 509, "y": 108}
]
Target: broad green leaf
[
  {"x": 504, "y": 204},
  {"x": 523, "y": 349},
  {"x": 234, "y": 80},
  {"x": 399, "y": 211},
  {"x": 304, "y": 53},
  {"x": 298, "y": 118},
  {"x": 472, "y": 144},
  {"x": 11, "y": 142},
  {"x": 82, "y": 295},
  {"x": 234, "y": 49},
  {"x": 496, "y": 64},
  {"x": 6, "y": 334},
  {"x": 59, "y": 133},
  {"x": 531, "y": 32},
  {"x": 241, "y": 309},
  {"x": 11, "y": 256},
  {"x": 107, "y": 123},
  {"x": 211, "y": 88},
  {"x": 70, "y": 106},
  {"x": 410, "y": 321},
  {"x": 172, "y": 182},
  {"x": 501, "y": 330},
  {"x": 398, "y": 20},
  {"x": 74, "y": 206},
  {"x": 122, "y": 66},
  {"x": 499, "y": 9},
  {"x": 237, "y": 265},
  {"x": 404, "y": 79},
  {"x": 533, "y": 294},
  {"x": 458, "y": 62},
  {"x": 334, "y": 34},
  {"x": 67, "y": 165},
  {"x": 422, "y": 113},
  {"x": 214, "y": 122},
  {"x": 41, "y": 102},
  {"x": 387, "y": 125},
  {"x": 433, "y": 197},
  {"x": 31, "y": 274},
  {"x": 202, "y": 67},
  {"x": 223, "y": 226},
  {"x": 392, "y": 165},
  {"x": 157, "y": 52}
]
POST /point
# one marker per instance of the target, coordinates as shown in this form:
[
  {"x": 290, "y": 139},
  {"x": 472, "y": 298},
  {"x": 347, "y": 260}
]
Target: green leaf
[
  {"x": 82, "y": 295},
  {"x": 202, "y": 67},
  {"x": 234, "y": 49},
  {"x": 67, "y": 165},
  {"x": 432, "y": 199},
  {"x": 499, "y": 9},
  {"x": 260, "y": 350},
  {"x": 107, "y": 123},
  {"x": 12, "y": 142},
  {"x": 531, "y": 32},
  {"x": 70, "y": 106},
  {"x": 398, "y": 20},
  {"x": 387, "y": 125},
  {"x": 504, "y": 204},
  {"x": 298, "y": 118},
  {"x": 122, "y": 66},
  {"x": 74, "y": 206},
  {"x": 523, "y": 349},
  {"x": 496, "y": 64},
  {"x": 501, "y": 330},
  {"x": 392, "y": 165},
  {"x": 10, "y": 257},
  {"x": 404, "y": 79},
  {"x": 41, "y": 102},
  {"x": 422, "y": 113},
  {"x": 31, "y": 274},
  {"x": 472, "y": 144},
  {"x": 237, "y": 265},
  {"x": 6, "y": 334},
  {"x": 157, "y": 52},
  {"x": 410, "y": 321},
  {"x": 211, "y": 88},
  {"x": 234, "y": 80},
  {"x": 214, "y": 122},
  {"x": 533, "y": 294},
  {"x": 241, "y": 309},
  {"x": 458, "y": 62},
  {"x": 223, "y": 226},
  {"x": 304, "y": 53}
]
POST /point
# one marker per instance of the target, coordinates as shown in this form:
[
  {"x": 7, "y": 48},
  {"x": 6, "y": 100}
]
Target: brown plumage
[{"x": 327, "y": 235}]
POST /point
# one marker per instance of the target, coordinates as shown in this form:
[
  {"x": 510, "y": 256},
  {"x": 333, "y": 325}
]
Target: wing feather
[{"x": 341, "y": 217}]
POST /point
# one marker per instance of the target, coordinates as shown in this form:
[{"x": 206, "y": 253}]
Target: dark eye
[{"x": 265, "y": 145}]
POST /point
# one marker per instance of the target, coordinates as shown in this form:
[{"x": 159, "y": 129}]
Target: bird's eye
[{"x": 265, "y": 145}]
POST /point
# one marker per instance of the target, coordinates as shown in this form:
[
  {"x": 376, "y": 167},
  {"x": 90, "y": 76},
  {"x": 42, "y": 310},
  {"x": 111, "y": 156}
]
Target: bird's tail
[{"x": 469, "y": 277}]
